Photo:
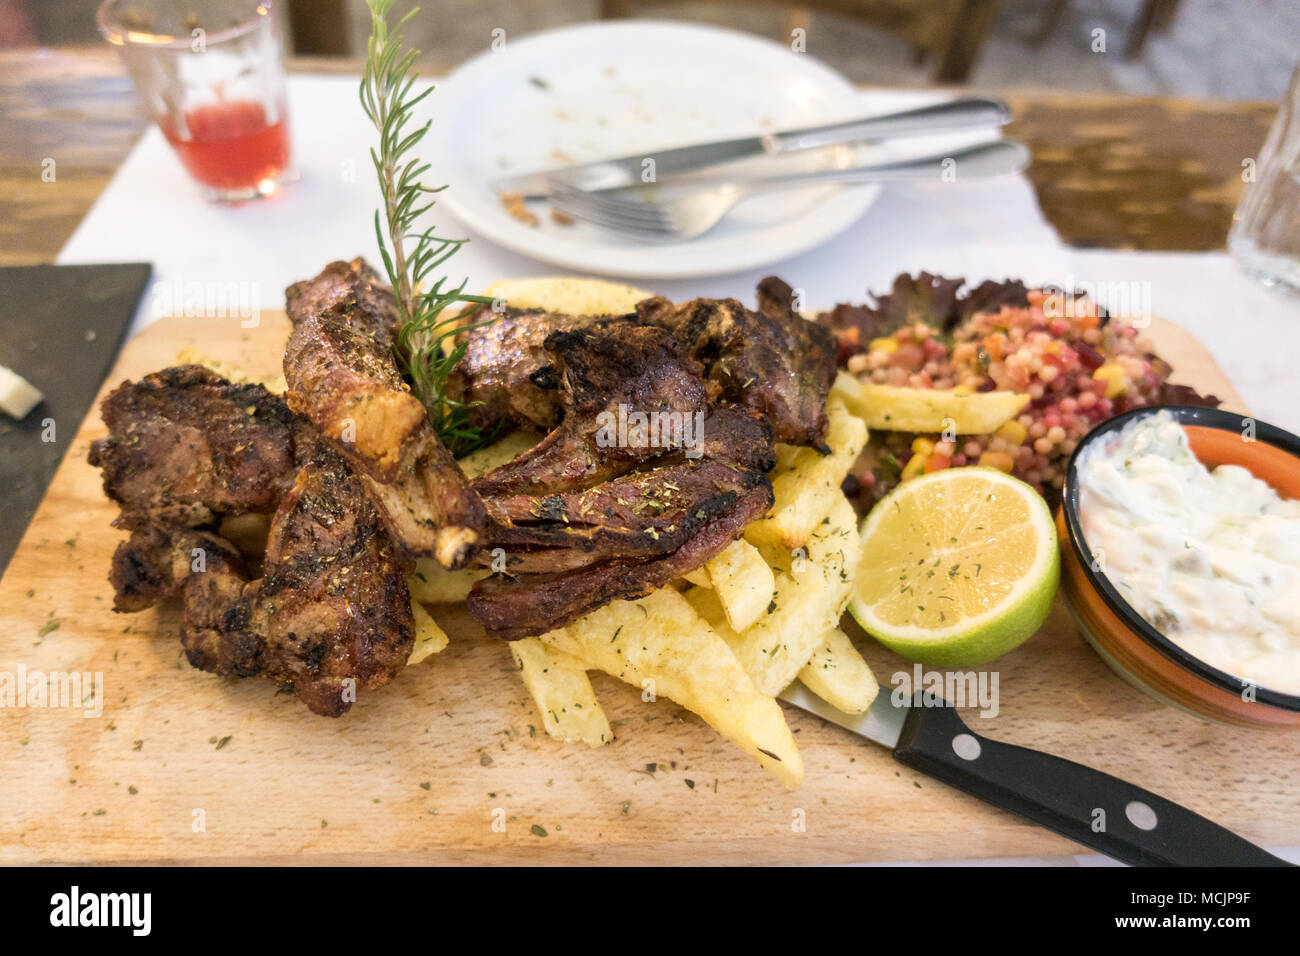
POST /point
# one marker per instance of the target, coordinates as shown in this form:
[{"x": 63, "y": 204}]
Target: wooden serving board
[{"x": 186, "y": 767}]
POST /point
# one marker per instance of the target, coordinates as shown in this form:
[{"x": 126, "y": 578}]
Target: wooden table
[{"x": 1111, "y": 172}]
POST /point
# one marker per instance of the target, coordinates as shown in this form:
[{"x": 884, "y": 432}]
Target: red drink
[{"x": 231, "y": 147}]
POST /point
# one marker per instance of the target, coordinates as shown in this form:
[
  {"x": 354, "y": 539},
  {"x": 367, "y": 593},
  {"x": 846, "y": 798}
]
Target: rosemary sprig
[{"x": 411, "y": 255}]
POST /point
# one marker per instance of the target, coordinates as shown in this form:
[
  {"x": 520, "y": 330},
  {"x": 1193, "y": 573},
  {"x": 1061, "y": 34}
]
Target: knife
[
  {"x": 1090, "y": 807},
  {"x": 967, "y": 113}
]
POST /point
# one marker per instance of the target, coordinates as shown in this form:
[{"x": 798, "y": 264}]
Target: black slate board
[{"x": 60, "y": 328}]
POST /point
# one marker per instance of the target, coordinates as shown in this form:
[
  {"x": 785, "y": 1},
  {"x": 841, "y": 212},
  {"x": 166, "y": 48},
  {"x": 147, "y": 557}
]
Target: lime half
[{"x": 958, "y": 567}]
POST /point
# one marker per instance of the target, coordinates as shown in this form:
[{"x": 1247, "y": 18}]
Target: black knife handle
[{"x": 1086, "y": 805}]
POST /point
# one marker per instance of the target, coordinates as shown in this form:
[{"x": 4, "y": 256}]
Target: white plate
[{"x": 607, "y": 89}]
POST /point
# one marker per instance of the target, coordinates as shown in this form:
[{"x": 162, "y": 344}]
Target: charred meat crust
[
  {"x": 642, "y": 515},
  {"x": 332, "y": 605},
  {"x": 618, "y": 517},
  {"x": 331, "y": 614},
  {"x": 505, "y": 374},
  {"x": 772, "y": 360},
  {"x": 341, "y": 371}
]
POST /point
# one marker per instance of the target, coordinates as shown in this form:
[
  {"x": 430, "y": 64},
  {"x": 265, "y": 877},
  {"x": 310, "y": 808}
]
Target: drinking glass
[
  {"x": 211, "y": 74},
  {"x": 1265, "y": 234}
]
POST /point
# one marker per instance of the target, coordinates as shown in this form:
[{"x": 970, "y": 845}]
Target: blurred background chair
[{"x": 1154, "y": 16}]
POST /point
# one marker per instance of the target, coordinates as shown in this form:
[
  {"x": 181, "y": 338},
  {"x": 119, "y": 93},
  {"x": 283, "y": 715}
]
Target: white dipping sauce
[{"x": 1211, "y": 559}]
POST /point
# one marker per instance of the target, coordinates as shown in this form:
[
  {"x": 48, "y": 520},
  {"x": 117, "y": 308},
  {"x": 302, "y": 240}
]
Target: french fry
[
  {"x": 660, "y": 644},
  {"x": 894, "y": 408},
  {"x": 744, "y": 583},
  {"x": 431, "y": 583},
  {"x": 429, "y": 637},
  {"x": 808, "y": 486},
  {"x": 847, "y": 389},
  {"x": 568, "y": 294},
  {"x": 562, "y": 691},
  {"x": 708, "y": 606},
  {"x": 810, "y": 597},
  {"x": 190, "y": 355},
  {"x": 498, "y": 453},
  {"x": 838, "y": 675},
  {"x": 699, "y": 577}
]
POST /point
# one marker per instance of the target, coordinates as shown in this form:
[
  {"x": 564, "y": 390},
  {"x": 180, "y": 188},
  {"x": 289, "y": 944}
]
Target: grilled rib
[
  {"x": 642, "y": 515},
  {"x": 582, "y": 522},
  {"x": 772, "y": 360},
  {"x": 331, "y": 613},
  {"x": 332, "y": 606},
  {"x": 343, "y": 376}
]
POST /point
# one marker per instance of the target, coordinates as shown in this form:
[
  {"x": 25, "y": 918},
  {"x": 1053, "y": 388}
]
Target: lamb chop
[
  {"x": 343, "y": 376},
  {"x": 513, "y": 608},
  {"x": 773, "y": 361},
  {"x": 600, "y": 371},
  {"x": 331, "y": 612},
  {"x": 644, "y": 514},
  {"x": 186, "y": 446}
]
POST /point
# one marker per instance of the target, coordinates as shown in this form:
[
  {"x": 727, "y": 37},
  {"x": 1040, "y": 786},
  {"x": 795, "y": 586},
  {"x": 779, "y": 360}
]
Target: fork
[{"x": 697, "y": 211}]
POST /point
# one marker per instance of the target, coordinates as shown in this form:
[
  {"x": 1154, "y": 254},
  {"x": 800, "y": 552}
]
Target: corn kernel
[
  {"x": 914, "y": 467},
  {"x": 1013, "y": 433},
  {"x": 963, "y": 390},
  {"x": 1115, "y": 378},
  {"x": 922, "y": 446},
  {"x": 886, "y": 344}
]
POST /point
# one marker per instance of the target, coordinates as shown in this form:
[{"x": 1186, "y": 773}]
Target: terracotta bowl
[{"x": 1132, "y": 647}]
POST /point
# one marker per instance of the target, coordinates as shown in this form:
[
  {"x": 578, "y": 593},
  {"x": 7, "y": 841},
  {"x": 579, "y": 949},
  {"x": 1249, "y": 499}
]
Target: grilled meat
[
  {"x": 154, "y": 563},
  {"x": 662, "y": 426},
  {"x": 331, "y": 613},
  {"x": 332, "y": 608},
  {"x": 625, "y": 536},
  {"x": 609, "y": 506},
  {"x": 773, "y": 361},
  {"x": 186, "y": 446},
  {"x": 341, "y": 370},
  {"x": 625, "y": 367},
  {"x": 212, "y": 595},
  {"x": 513, "y": 608},
  {"x": 642, "y": 515},
  {"x": 343, "y": 376},
  {"x": 505, "y": 374}
]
